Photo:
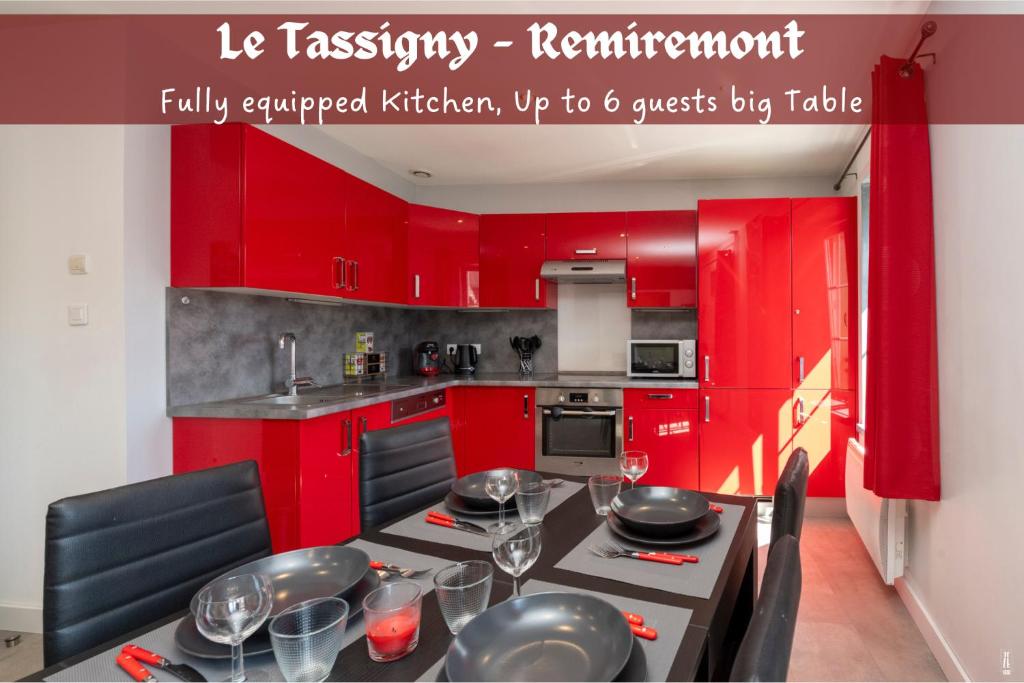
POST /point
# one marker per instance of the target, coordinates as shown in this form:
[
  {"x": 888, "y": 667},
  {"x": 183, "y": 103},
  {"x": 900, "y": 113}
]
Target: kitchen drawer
[{"x": 660, "y": 399}]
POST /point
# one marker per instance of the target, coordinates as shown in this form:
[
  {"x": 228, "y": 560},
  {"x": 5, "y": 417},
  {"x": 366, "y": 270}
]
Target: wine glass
[
  {"x": 515, "y": 548},
  {"x": 501, "y": 485},
  {"x": 230, "y": 610},
  {"x": 633, "y": 465}
]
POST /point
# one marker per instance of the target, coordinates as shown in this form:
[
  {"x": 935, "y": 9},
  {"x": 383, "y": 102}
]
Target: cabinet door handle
[
  {"x": 592, "y": 250},
  {"x": 339, "y": 272},
  {"x": 801, "y": 362},
  {"x": 416, "y": 286},
  {"x": 707, "y": 368},
  {"x": 707, "y": 409},
  {"x": 526, "y": 406},
  {"x": 536, "y": 289},
  {"x": 348, "y": 430},
  {"x": 632, "y": 285},
  {"x": 630, "y": 427},
  {"x": 355, "y": 276},
  {"x": 801, "y": 413},
  {"x": 659, "y": 397},
  {"x": 362, "y": 425}
]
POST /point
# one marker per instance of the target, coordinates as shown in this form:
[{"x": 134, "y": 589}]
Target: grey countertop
[{"x": 339, "y": 398}]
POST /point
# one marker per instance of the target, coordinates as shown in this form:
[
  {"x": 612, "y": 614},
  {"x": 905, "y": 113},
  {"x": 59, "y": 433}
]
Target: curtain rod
[{"x": 928, "y": 30}]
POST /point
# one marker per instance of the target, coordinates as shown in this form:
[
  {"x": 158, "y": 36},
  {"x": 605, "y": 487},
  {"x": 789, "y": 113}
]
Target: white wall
[
  {"x": 62, "y": 399},
  {"x": 965, "y": 552}
]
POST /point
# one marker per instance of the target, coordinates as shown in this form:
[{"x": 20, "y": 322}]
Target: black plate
[
  {"x": 470, "y": 488},
  {"x": 705, "y": 527},
  {"x": 635, "y": 670},
  {"x": 659, "y": 510},
  {"x": 306, "y": 574},
  {"x": 459, "y": 507},
  {"x": 190, "y": 641},
  {"x": 542, "y": 637}
]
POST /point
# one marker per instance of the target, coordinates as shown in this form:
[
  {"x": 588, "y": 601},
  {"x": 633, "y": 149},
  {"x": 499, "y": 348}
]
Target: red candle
[{"x": 393, "y": 636}]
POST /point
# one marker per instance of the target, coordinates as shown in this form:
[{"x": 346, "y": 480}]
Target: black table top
[{"x": 564, "y": 528}]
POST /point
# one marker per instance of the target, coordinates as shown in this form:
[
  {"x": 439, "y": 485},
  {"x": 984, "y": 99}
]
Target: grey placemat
[
  {"x": 413, "y": 526},
  {"x": 670, "y": 622},
  {"x": 696, "y": 580},
  {"x": 103, "y": 667}
]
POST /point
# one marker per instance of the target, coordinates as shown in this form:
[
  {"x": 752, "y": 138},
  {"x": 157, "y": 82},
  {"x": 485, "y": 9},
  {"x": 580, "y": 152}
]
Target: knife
[
  {"x": 182, "y": 671},
  {"x": 133, "y": 668},
  {"x": 452, "y": 523}
]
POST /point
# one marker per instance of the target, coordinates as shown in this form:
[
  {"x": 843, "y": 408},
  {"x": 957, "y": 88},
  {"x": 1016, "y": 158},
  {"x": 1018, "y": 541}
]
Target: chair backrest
[
  {"x": 117, "y": 560},
  {"x": 766, "y": 647},
  {"x": 404, "y": 468},
  {"x": 790, "y": 496}
]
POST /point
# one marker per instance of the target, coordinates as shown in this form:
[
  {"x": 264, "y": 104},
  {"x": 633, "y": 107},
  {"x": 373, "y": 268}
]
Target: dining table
[{"x": 700, "y": 610}]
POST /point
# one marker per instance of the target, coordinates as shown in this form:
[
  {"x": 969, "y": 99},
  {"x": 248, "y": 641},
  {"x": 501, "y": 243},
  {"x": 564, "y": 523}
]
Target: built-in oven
[
  {"x": 661, "y": 358},
  {"x": 579, "y": 431}
]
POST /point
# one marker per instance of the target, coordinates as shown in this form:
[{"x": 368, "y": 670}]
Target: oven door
[{"x": 578, "y": 440}]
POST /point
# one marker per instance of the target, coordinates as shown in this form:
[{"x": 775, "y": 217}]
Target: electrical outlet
[
  {"x": 477, "y": 347},
  {"x": 450, "y": 349}
]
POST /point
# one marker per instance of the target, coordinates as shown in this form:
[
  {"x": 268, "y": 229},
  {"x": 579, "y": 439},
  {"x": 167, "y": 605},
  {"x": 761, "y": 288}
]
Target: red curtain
[{"x": 902, "y": 421}]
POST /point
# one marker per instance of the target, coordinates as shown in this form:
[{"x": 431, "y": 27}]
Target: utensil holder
[{"x": 525, "y": 364}]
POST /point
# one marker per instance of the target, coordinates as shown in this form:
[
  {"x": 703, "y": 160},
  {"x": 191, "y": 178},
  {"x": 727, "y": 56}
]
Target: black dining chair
[
  {"x": 790, "y": 497},
  {"x": 404, "y": 468},
  {"x": 764, "y": 653},
  {"x": 119, "y": 559}
]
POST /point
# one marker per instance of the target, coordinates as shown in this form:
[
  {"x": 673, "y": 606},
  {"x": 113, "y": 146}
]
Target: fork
[
  {"x": 555, "y": 483},
  {"x": 610, "y": 551}
]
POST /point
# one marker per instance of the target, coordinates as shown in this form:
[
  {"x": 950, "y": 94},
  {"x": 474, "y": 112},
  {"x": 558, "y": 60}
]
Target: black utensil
[{"x": 181, "y": 671}]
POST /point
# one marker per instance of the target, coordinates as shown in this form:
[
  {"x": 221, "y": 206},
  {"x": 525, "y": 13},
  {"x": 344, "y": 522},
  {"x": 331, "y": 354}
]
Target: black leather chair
[
  {"x": 123, "y": 558},
  {"x": 404, "y": 468},
  {"x": 768, "y": 643},
  {"x": 790, "y": 497}
]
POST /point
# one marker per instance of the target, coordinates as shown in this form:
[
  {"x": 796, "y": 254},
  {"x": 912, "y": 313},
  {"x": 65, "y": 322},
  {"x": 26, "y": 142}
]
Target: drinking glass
[
  {"x": 532, "y": 501},
  {"x": 463, "y": 591},
  {"x": 515, "y": 548},
  {"x": 633, "y": 465},
  {"x": 392, "y": 615},
  {"x": 603, "y": 489},
  {"x": 230, "y": 610},
  {"x": 501, "y": 485},
  {"x": 307, "y": 638}
]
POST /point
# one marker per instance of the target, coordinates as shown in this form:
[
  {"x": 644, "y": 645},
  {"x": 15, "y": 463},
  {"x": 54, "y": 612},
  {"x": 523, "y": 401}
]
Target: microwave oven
[{"x": 661, "y": 358}]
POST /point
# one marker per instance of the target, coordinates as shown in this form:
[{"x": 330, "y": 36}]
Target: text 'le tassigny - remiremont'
[{"x": 546, "y": 41}]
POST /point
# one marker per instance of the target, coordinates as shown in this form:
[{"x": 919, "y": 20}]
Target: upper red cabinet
[
  {"x": 444, "y": 257},
  {"x": 249, "y": 210},
  {"x": 511, "y": 255},
  {"x": 586, "y": 236},
  {"x": 375, "y": 243},
  {"x": 824, "y": 293},
  {"x": 744, "y": 309},
  {"x": 661, "y": 263}
]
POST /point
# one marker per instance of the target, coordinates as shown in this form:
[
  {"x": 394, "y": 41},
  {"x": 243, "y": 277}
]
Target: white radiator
[{"x": 881, "y": 522}]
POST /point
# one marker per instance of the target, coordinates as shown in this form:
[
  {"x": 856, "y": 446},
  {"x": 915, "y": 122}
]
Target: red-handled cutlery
[
  {"x": 136, "y": 654},
  {"x": 633, "y": 619},
  {"x": 610, "y": 551},
  {"x": 446, "y": 521},
  {"x": 644, "y": 631},
  {"x": 133, "y": 668},
  {"x": 715, "y": 508}
]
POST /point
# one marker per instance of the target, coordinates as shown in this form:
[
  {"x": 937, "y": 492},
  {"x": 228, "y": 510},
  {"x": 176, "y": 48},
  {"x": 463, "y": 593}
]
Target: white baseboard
[
  {"x": 22, "y": 618},
  {"x": 937, "y": 643}
]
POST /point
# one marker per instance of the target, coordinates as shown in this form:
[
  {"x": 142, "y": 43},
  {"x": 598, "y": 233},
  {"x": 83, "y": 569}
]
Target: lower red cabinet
[
  {"x": 744, "y": 439},
  {"x": 307, "y": 469},
  {"x": 664, "y": 425},
  {"x": 494, "y": 427},
  {"x": 823, "y": 423}
]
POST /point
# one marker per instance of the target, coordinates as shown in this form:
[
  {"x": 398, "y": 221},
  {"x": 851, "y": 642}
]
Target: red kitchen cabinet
[
  {"x": 444, "y": 257},
  {"x": 375, "y": 243},
  {"x": 661, "y": 259},
  {"x": 250, "y": 210},
  {"x": 744, "y": 439},
  {"x": 667, "y": 434},
  {"x": 511, "y": 255},
  {"x": 306, "y": 469},
  {"x": 496, "y": 428},
  {"x": 823, "y": 423},
  {"x": 825, "y": 293},
  {"x": 593, "y": 236},
  {"x": 743, "y": 312}
]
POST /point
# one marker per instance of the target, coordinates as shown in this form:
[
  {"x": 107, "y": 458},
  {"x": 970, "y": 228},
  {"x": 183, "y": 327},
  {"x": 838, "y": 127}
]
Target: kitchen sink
[{"x": 324, "y": 395}]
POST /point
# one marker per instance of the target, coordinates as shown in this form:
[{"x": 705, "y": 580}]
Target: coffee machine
[
  {"x": 426, "y": 359},
  {"x": 464, "y": 359}
]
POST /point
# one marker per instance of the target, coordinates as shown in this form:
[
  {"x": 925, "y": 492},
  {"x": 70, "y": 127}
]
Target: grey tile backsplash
[{"x": 674, "y": 324}]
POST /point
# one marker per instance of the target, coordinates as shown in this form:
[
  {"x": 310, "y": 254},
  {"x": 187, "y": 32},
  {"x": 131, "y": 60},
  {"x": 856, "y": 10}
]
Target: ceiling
[{"x": 485, "y": 155}]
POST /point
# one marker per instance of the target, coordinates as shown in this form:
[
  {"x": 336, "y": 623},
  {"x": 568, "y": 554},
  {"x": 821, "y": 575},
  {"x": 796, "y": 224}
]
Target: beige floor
[{"x": 850, "y": 626}]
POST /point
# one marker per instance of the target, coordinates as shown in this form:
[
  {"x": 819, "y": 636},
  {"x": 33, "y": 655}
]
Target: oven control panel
[
  {"x": 578, "y": 397},
  {"x": 595, "y": 398}
]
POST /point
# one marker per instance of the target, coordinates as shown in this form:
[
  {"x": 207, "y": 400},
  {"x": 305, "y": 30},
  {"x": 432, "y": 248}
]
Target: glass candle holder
[{"x": 392, "y": 617}]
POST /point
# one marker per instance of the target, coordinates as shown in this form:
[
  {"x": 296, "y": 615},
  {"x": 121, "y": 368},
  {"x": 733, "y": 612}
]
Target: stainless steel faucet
[{"x": 293, "y": 383}]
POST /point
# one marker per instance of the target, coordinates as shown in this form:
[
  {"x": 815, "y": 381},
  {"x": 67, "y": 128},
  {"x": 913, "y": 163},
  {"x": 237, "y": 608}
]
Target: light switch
[
  {"x": 78, "y": 264},
  {"x": 78, "y": 314}
]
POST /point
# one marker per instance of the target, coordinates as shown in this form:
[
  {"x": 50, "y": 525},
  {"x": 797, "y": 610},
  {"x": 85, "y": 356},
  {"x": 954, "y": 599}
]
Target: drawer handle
[
  {"x": 707, "y": 368},
  {"x": 592, "y": 250},
  {"x": 536, "y": 289},
  {"x": 630, "y": 427},
  {"x": 416, "y": 285},
  {"x": 659, "y": 397}
]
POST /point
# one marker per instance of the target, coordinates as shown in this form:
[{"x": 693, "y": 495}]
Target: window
[{"x": 865, "y": 212}]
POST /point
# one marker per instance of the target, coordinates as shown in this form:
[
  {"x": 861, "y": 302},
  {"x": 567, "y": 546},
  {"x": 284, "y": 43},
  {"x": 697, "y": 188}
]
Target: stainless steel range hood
[{"x": 589, "y": 272}]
